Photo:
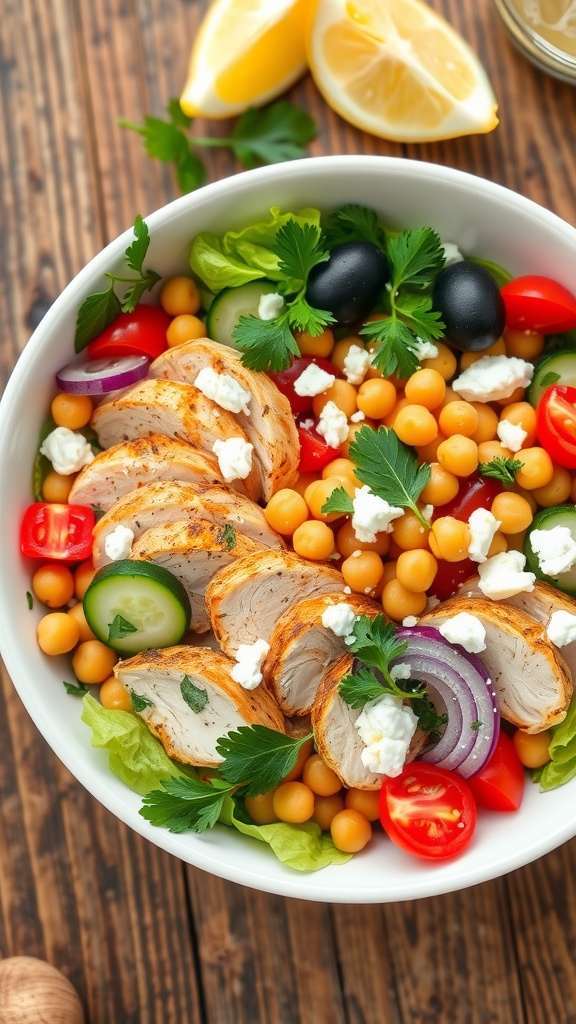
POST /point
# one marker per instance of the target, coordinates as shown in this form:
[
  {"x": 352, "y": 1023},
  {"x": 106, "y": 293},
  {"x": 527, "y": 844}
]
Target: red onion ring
[
  {"x": 98, "y": 376},
  {"x": 461, "y": 683}
]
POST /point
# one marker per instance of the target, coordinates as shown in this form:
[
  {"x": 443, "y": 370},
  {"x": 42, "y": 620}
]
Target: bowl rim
[{"x": 213, "y": 857}]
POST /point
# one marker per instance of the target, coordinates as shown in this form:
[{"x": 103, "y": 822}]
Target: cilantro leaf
[
  {"x": 140, "y": 703},
  {"x": 299, "y": 248},
  {"x": 136, "y": 252},
  {"x": 360, "y": 687},
  {"x": 257, "y": 757},
  {"x": 95, "y": 314},
  {"x": 339, "y": 501},
  {"x": 354, "y": 223},
  {"x": 395, "y": 346},
  {"x": 417, "y": 315},
  {"x": 500, "y": 468},
  {"x": 75, "y": 689},
  {"x": 185, "y": 804},
  {"x": 120, "y": 627},
  {"x": 266, "y": 344},
  {"x": 195, "y": 698},
  {"x": 389, "y": 468},
  {"x": 304, "y": 317},
  {"x": 273, "y": 134},
  {"x": 376, "y": 644},
  {"x": 415, "y": 256},
  {"x": 135, "y": 292}
]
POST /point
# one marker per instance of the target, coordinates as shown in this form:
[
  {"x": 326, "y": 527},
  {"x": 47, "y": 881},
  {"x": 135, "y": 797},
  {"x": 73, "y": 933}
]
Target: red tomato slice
[
  {"x": 428, "y": 811},
  {"x": 314, "y": 452},
  {"x": 535, "y": 303},
  {"x": 51, "y": 530},
  {"x": 284, "y": 381},
  {"x": 142, "y": 332},
  {"x": 499, "y": 785},
  {"x": 556, "y": 424},
  {"x": 475, "y": 492}
]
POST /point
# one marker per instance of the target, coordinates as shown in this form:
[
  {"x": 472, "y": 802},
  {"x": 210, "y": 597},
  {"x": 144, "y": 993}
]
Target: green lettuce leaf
[
  {"x": 242, "y": 256},
  {"x": 136, "y": 757},
  {"x": 562, "y": 765},
  {"x": 301, "y": 847}
]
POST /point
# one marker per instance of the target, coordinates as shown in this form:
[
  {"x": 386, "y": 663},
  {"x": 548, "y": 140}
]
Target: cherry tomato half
[
  {"x": 535, "y": 303},
  {"x": 142, "y": 332},
  {"x": 499, "y": 785},
  {"x": 428, "y": 811},
  {"x": 556, "y": 424},
  {"x": 284, "y": 381},
  {"x": 475, "y": 492},
  {"x": 51, "y": 530},
  {"x": 315, "y": 453}
]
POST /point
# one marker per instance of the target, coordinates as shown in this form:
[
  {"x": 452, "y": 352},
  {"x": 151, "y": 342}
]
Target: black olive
[
  {"x": 348, "y": 284},
  {"x": 472, "y": 309}
]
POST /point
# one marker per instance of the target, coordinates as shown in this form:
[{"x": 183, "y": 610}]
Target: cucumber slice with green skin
[
  {"x": 557, "y": 368},
  {"x": 232, "y": 303},
  {"x": 134, "y": 606},
  {"x": 548, "y": 519}
]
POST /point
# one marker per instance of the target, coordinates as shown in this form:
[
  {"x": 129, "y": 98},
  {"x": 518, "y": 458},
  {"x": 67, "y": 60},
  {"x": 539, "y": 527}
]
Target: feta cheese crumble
[
  {"x": 234, "y": 458},
  {"x": 118, "y": 543},
  {"x": 313, "y": 381},
  {"x": 271, "y": 305},
  {"x": 503, "y": 576},
  {"x": 511, "y": 434},
  {"x": 561, "y": 629},
  {"x": 340, "y": 618},
  {"x": 357, "y": 417},
  {"x": 357, "y": 362},
  {"x": 372, "y": 515},
  {"x": 555, "y": 548},
  {"x": 400, "y": 671},
  {"x": 223, "y": 389},
  {"x": 249, "y": 660},
  {"x": 386, "y": 726},
  {"x": 452, "y": 253},
  {"x": 466, "y": 630},
  {"x": 333, "y": 425},
  {"x": 424, "y": 350},
  {"x": 67, "y": 451},
  {"x": 482, "y": 525},
  {"x": 410, "y": 620},
  {"x": 492, "y": 378}
]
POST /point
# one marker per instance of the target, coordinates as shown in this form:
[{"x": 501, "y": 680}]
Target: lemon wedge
[
  {"x": 246, "y": 53},
  {"x": 398, "y": 70}
]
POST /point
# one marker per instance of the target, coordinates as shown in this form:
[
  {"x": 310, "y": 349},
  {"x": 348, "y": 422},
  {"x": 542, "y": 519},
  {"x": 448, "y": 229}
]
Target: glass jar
[{"x": 545, "y": 32}]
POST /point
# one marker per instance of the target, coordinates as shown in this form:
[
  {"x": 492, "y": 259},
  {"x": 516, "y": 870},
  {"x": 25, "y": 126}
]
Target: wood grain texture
[{"x": 141, "y": 936}]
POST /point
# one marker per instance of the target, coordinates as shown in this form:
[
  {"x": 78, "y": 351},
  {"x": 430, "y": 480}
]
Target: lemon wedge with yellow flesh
[
  {"x": 398, "y": 70},
  {"x": 246, "y": 53}
]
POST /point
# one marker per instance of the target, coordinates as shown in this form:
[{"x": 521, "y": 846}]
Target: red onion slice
[
  {"x": 99, "y": 376},
  {"x": 459, "y": 682}
]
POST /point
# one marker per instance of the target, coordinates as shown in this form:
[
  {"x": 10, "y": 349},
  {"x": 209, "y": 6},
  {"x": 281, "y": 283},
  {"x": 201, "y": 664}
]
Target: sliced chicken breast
[
  {"x": 245, "y": 600},
  {"x": 194, "y": 551},
  {"x": 301, "y": 649},
  {"x": 131, "y": 464},
  {"x": 174, "y": 409},
  {"x": 532, "y": 682},
  {"x": 165, "y": 501},
  {"x": 269, "y": 425},
  {"x": 194, "y": 700}
]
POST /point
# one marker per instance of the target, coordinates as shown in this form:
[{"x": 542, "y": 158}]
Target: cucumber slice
[
  {"x": 547, "y": 519},
  {"x": 557, "y": 368},
  {"x": 132, "y": 606},
  {"x": 232, "y": 303}
]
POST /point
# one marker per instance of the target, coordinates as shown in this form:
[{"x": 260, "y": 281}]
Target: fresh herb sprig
[
  {"x": 501, "y": 469},
  {"x": 101, "y": 308},
  {"x": 270, "y": 344},
  {"x": 354, "y": 223},
  {"x": 388, "y": 467},
  {"x": 415, "y": 258},
  {"x": 375, "y": 644},
  {"x": 256, "y": 759},
  {"x": 267, "y": 135}
]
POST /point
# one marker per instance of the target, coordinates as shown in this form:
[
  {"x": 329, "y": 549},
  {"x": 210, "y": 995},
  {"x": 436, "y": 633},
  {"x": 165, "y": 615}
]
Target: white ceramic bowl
[{"x": 484, "y": 219}]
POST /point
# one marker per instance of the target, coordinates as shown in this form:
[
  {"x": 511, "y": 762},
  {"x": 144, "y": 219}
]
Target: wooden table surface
[{"x": 142, "y": 936}]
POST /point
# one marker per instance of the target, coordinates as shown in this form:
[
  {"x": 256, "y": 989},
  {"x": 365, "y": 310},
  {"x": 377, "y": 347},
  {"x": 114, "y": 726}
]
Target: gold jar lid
[{"x": 537, "y": 38}]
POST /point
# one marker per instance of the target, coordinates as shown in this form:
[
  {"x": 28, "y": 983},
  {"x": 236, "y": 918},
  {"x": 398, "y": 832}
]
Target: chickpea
[
  {"x": 261, "y": 808},
  {"x": 350, "y": 831},
  {"x": 416, "y": 570},
  {"x": 415, "y": 425},
  {"x": 513, "y": 512},
  {"x": 458, "y": 454},
  {"x": 444, "y": 363},
  {"x": 321, "y": 779},
  {"x": 557, "y": 491},
  {"x": 285, "y": 511},
  {"x": 450, "y": 539},
  {"x": 408, "y": 532},
  {"x": 185, "y": 328},
  {"x": 500, "y": 543},
  {"x": 362, "y": 572},
  {"x": 429, "y": 452},
  {"x": 468, "y": 358},
  {"x": 365, "y": 801},
  {"x": 293, "y": 802},
  {"x": 53, "y": 584},
  {"x": 56, "y": 486},
  {"x": 93, "y": 661},
  {"x": 458, "y": 418},
  {"x": 83, "y": 577},
  {"x": 325, "y": 810},
  {"x": 487, "y": 423},
  {"x": 537, "y": 469},
  {"x": 343, "y": 468},
  {"x": 398, "y": 602},
  {"x": 516, "y": 396},
  {"x": 320, "y": 493},
  {"x": 376, "y": 397},
  {"x": 524, "y": 344},
  {"x": 389, "y": 572},
  {"x": 57, "y": 633},
  {"x": 313, "y": 540},
  {"x": 353, "y": 429},
  {"x": 426, "y": 387},
  {"x": 401, "y": 403},
  {"x": 442, "y": 486},
  {"x": 180, "y": 295},
  {"x": 342, "y": 348},
  {"x": 533, "y": 750},
  {"x": 489, "y": 450},
  {"x": 341, "y": 393},
  {"x": 77, "y": 613},
  {"x": 321, "y": 345},
  {"x": 347, "y": 542},
  {"x": 72, "y": 411},
  {"x": 114, "y": 696},
  {"x": 303, "y": 483},
  {"x": 521, "y": 414}
]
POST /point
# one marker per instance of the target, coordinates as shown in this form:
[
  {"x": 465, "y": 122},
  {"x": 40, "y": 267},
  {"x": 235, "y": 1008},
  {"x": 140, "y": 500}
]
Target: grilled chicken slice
[
  {"x": 301, "y": 649},
  {"x": 269, "y": 425},
  {"x": 336, "y": 736},
  {"x": 194, "y": 551},
  {"x": 532, "y": 681},
  {"x": 539, "y": 604},
  {"x": 164, "y": 501},
  {"x": 219, "y": 705},
  {"x": 174, "y": 409},
  {"x": 131, "y": 464},
  {"x": 245, "y": 600}
]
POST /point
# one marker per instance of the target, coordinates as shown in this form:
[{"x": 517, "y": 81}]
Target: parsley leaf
[
  {"x": 339, "y": 501},
  {"x": 258, "y": 754},
  {"x": 375, "y": 644},
  {"x": 29, "y": 600},
  {"x": 75, "y": 689},
  {"x": 185, "y": 804},
  {"x": 140, "y": 703},
  {"x": 265, "y": 344},
  {"x": 195, "y": 698},
  {"x": 500, "y": 468},
  {"x": 167, "y": 141},
  {"x": 354, "y": 223},
  {"x": 415, "y": 256},
  {"x": 229, "y": 536},
  {"x": 548, "y": 379},
  {"x": 360, "y": 687},
  {"x": 389, "y": 468},
  {"x": 95, "y": 314},
  {"x": 120, "y": 627},
  {"x": 299, "y": 248}
]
